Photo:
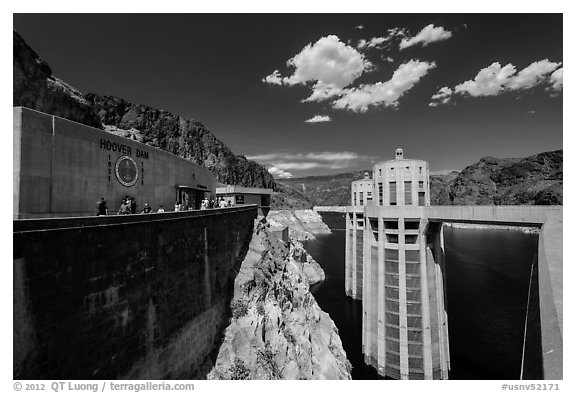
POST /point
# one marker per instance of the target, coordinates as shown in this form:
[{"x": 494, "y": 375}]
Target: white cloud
[
  {"x": 495, "y": 79},
  {"x": 359, "y": 27},
  {"x": 329, "y": 61},
  {"x": 427, "y": 35},
  {"x": 319, "y": 119},
  {"x": 532, "y": 75},
  {"x": 441, "y": 97},
  {"x": 284, "y": 161},
  {"x": 362, "y": 43},
  {"x": 274, "y": 78},
  {"x": 279, "y": 173},
  {"x": 489, "y": 81},
  {"x": 557, "y": 79},
  {"x": 303, "y": 165},
  {"x": 319, "y": 156},
  {"x": 322, "y": 92},
  {"x": 329, "y": 67},
  {"x": 384, "y": 93},
  {"x": 376, "y": 42}
]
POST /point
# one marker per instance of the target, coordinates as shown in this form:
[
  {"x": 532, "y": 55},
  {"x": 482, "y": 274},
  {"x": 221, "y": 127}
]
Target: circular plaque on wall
[{"x": 126, "y": 171}]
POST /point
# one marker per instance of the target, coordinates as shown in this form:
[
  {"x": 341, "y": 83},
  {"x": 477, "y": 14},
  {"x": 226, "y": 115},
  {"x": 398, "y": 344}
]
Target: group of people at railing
[{"x": 129, "y": 206}]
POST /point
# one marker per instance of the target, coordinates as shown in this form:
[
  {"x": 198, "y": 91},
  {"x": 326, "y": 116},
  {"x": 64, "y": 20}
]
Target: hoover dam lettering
[{"x": 122, "y": 148}]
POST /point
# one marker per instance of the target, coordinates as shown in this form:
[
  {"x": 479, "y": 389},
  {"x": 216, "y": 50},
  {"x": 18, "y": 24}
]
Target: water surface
[{"x": 487, "y": 284}]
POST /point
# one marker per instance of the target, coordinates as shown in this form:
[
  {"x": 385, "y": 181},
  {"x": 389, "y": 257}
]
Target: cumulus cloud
[
  {"x": 532, "y": 75},
  {"x": 322, "y": 92},
  {"x": 329, "y": 68},
  {"x": 279, "y": 173},
  {"x": 359, "y": 27},
  {"x": 274, "y": 78},
  {"x": 384, "y": 93},
  {"x": 495, "y": 79},
  {"x": 426, "y": 36},
  {"x": 377, "y": 41},
  {"x": 319, "y": 119},
  {"x": 329, "y": 61},
  {"x": 489, "y": 81},
  {"x": 556, "y": 79},
  {"x": 441, "y": 97}
]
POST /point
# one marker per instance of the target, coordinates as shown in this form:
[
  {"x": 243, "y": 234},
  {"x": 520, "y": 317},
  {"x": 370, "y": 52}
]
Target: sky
[{"x": 315, "y": 94}]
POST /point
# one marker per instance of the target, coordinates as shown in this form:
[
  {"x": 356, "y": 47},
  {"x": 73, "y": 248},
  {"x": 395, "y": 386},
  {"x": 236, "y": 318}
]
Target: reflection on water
[{"x": 487, "y": 273}]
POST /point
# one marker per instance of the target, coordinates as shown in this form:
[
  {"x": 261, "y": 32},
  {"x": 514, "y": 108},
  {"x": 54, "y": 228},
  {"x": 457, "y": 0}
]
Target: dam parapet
[{"x": 125, "y": 297}]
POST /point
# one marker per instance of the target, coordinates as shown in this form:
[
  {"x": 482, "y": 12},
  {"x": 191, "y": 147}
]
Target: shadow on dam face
[
  {"x": 488, "y": 275},
  {"x": 125, "y": 297}
]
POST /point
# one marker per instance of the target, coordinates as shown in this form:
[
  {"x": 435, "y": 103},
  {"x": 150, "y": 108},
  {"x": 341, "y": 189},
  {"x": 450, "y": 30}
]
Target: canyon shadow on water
[{"x": 487, "y": 271}]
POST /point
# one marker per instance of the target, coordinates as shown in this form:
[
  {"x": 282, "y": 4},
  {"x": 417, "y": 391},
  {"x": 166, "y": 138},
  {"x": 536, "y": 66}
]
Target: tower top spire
[{"x": 399, "y": 154}]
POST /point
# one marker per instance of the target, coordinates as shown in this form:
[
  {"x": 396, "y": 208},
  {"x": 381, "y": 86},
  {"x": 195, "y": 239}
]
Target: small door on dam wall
[
  {"x": 186, "y": 197},
  {"x": 190, "y": 197}
]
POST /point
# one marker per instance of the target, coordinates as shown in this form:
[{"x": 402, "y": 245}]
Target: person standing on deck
[{"x": 101, "y": 208}]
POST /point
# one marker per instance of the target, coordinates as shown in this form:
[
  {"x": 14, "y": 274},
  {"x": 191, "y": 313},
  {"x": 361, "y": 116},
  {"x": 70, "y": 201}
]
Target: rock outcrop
[
  {"x": 277, "y": 329},
  {"x": 36, "y": 88},
  {"x": 302, "y": 224},
  {"x": 510, "y": 181}
]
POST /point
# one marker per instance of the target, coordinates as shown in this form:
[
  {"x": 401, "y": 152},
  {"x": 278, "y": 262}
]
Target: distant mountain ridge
[
  {"x": 537, "y": 179},
  {"x": 36, "y": 88},
  {"x": 306, "y": 192}
]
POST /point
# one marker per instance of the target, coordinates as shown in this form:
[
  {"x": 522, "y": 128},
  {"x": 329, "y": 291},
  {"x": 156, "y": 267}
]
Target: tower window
[
  {"x": 393, "y": 193},
  {"x": 407, "y": 192}
]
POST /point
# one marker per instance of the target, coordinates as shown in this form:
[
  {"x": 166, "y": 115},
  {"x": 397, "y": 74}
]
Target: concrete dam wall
[{"x": 135, "y": 297}]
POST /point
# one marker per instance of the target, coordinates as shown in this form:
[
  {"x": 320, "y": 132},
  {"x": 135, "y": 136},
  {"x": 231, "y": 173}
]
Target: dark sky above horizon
[{"x": 211, "y": 67}]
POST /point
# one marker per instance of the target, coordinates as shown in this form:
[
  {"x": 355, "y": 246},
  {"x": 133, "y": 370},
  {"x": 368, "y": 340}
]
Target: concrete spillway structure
[{"x": 395, "y": 265}]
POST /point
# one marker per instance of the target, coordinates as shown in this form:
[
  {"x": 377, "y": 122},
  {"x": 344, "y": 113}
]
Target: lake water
[{"x": 487, "y": 274}]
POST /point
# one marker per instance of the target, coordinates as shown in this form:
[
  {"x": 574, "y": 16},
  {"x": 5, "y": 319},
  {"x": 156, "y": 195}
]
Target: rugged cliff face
[
  {"x": 303, "y": 224},
  {"x": 277, "y": 330},
  {"x": 537, "y": 179},
  {"x": 511, "y": 181},
  {"x": 36, "y": 88}
]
